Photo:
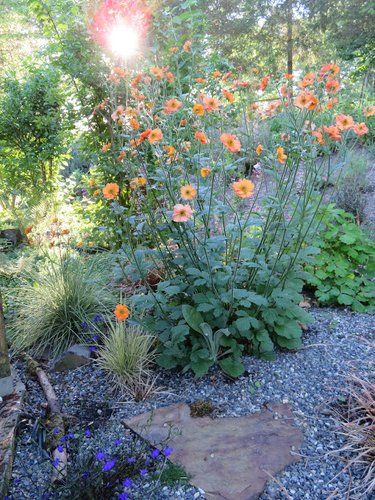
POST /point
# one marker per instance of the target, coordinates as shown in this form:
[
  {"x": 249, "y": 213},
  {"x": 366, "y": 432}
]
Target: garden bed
[{"x": 311, "y": 381}]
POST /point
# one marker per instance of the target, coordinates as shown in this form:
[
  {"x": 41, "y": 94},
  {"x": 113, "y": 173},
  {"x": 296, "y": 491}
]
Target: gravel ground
[{"x": 338, "y": 343}]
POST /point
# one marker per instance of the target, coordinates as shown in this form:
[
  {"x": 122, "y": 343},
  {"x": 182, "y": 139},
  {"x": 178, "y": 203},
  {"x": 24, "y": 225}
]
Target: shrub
[
  {"x": 127, "y": 354},
  {"x": 342, "y": 272},
  {"x": 53, "y": 304}
]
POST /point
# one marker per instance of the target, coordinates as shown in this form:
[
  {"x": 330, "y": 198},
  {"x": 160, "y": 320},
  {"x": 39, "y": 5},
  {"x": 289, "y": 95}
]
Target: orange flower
[
  {"x": 173, "y": 50},
  {"x": 360, "y": 128},
  {"x": 188, "y": 192},
  {"x": 169, "y": 76},
  {"x": 205, "y": 172},
  {"x": 281, "y": 156},
  {"x": 264, "y": 82},
  {"x": 332, "y": 86},
  {"x": 182, "y": 213},
  {"x": 333, "y": 132},
  {"x": 198, "y": 109},
  {"x": 307, "y": 80},
  {"x": 121, "y": 156},
  {"x": 171, "y": 106},
  {"x": 211, "y": 103},
  {"x": 92, "y": 182},
  {"x": 155, "y": 135},
  {"x": 201, "y": 137},
  {"x": 259, "y": 149},
  {"x": 344, "y": 122},
  {"x": 288, "y": 76},
  {"x": 28, "y": 229},
  {"x": 138, "y": 182},
  {"x": 284, "y": 91},
  {"x": 318, "y": 136},
  {"x": 306, "y": 100},
  {"x": 106, "y": 147},
  {"x": 96, "y": 193},
  {"x": 183, "y": 122},
  {"x": 157, "y": 72},
  {"x": 243, "y": 188},
  {"x": 370, "y": 111},
  {"x": 216, "y": 74},
  {"x": 121, "y": 312},
  {"x": 134, "y": 123},
  {"x": 187, "y": 46},
  {"x": 200, "y": 80},
  {"x": 170, "y": 150},
  {"x": 329, "y": 69},
  {"x": 228, "y": 95},
  {"x": 111, "y": 191},
  {"x": 231, "y": 142}
]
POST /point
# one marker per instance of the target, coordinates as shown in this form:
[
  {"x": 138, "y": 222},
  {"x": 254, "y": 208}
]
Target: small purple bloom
[
  {"x": 100, "y": 455},
  {"x": 88, "y": 433},
  {"x": 109, "y": 465},
  {"x": 131, "y": 460},
  {"x": 167, "y": 451},
  {"x": 84, "y": 326},
  {"x": 127, "y": 483},
  {"x": 70, "y": 435},
  {"x": 155, "y": 453},
  {"x": 85, "y": 473},
  {"x": 98, "y": 318},
  {"x": 147, "y": 461},
  {"x": 55, "y": 462},
  {"x": 117, "y": 442},
  {"x": 56, "y": 430},
  {"x": 93, "y": 348},
  {"x": 123, "y": 496},
  {"x": 95, "y": 338},
  {"x": 60, "y": 448},
  {"x": 143, "y": 472}
]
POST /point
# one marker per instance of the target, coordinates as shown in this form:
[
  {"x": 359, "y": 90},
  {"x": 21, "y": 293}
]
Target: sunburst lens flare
[{"x": 123, "y": 41}]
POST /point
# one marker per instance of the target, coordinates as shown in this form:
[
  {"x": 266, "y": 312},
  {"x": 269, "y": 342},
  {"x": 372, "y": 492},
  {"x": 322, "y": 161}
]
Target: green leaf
[
  {"x": 345, "y": 299},
  {"x": 232, "y": 366},
  {"x": 192, "y": 317}
]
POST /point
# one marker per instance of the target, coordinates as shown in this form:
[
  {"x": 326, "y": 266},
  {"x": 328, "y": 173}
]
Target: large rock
[
  {"x": 229, "y": 458},
  {"x": 77, "y": 355},
  {"x": 15, "y": 236}
]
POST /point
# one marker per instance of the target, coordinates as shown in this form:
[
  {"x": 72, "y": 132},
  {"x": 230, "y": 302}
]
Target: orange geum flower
[
  {"x": 111, "y": 191},
  {"x": 198, "y": 109},
  {"x": 183, "y": 122},
  {"x": 333, "y": 132},
  {"x": 331, "y": 102},
  {"x": 264, "y": 82},
  {"x": 228, "y": 95},
  {"x": 134, "y": 123},
  {"x": 169, "y": 76},
  {"x": 305, "y": 100},
  {"x": 170, "y": 150},
  {"x": 205, "y": 171},
  {"x": 137, "y": 182},
  {"x": 288, "y": 76},
  {"x": 173, "y": 50},
  {"x": 92, "y": 182},
  {"x": 172, "y": 105},
  {"x": 157, "y": 72},
  {"x": 121, "y": 156},
  {"x": 96, "y": 193},
  {"x": 243, "y": 188},
  {"x": 370, "y": 111},
  {"x": 182, "y": 213},
  {"x": 200, "y": 80},
  {"x": 106, "y": 147},
  {"x": 318, "y": 136},
  {"x": 360, "y": 128},
  {"x": 216, "y": 74},
  {"x": 187, "y": 46},
  {"x": 281, "y": 156},
  {"x": 344, "y": 122},
  {"x": 329, "y": 69},
  {"x": 201, "y": 137},
  {"x": 211, "y": 103},
  {"x": 188, "y": 192},
  {"x": 121, "y": 312},
  {"x": 155, "y": 135},
  {"x": 28, "y": 229},
  {"x": 259, "y": 149},
  {"x": 332, "y": 86},
  {"x": 231, "y": 142}
]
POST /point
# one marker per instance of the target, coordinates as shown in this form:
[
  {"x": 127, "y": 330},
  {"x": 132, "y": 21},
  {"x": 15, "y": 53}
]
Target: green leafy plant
[
  {"x": 53, "y": 305},
  {"x": 127, "y": 354},
  {"x": 342, "y": 271}
]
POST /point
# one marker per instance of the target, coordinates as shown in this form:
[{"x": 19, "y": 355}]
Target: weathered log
[{"x": 6, "y": 383}]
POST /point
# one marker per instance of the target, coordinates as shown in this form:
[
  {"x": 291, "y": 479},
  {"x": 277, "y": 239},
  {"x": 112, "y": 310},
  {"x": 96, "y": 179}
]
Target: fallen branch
[{"x": 60, "y": 458}]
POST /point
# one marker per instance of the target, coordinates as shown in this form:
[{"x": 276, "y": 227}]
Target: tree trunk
[
  {"x": 289, "y": 41},
  {"x": 6, "y": 385}
]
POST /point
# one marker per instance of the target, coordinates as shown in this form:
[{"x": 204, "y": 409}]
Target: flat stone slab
[
  {"x": 10, "y": 409},
  {"x": 229, "y": 458}
]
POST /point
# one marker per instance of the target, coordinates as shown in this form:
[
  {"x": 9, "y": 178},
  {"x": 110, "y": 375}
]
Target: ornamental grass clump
[
  {"x": 127, "y": 354},
  {"x": 53, "y": 304}
]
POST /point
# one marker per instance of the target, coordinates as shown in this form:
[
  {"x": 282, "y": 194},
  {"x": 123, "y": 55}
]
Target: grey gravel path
[{"x": 338, "y": 343}]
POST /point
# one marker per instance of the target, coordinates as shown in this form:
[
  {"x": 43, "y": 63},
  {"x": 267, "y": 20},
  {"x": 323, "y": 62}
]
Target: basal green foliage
[
  {"x": 52, "y": 304},
  {"x": 342, "y": 272}
]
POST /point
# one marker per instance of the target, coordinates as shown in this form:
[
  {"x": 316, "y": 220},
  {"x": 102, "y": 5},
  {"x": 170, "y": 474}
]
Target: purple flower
[
  {"x": 55, "y": 462},
  {"x": 147, "y": 461},
  {"x": 117, "y": 442},
  {"x": 84, "y": 326},
  {"x": 143, "y": 472},
  {"x": 100, "y": 455},
  {"x": 155, "y": 453},
  {"x": 127, "y": 483},
  {"x": 123, "y": 496},
  {"x": 95, "y": 338},
  {"x": 70, "y": 435},
  {"x": 167, "y": 451},
  {"x": 60, "y": 448},
  {"x": 131, "y": 460},
  {"x": 56, "y": 430},
  {"x": 93, "y": 348},
  {"x": 88, "y": 433},
  {"x": 85, "y": 473},
  {"x": 98, "y": 318},
  {"x": 109, "y": 465}
]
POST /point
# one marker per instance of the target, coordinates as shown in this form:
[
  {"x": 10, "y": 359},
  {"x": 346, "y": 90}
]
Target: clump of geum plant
[{"x": 52, "y": 304}]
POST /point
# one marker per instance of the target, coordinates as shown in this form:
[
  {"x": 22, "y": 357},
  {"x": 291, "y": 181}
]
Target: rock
[
  {"x": 227, "y": 457},
  {"x": 15, "y": 236},
  {"x": 77, "y": 355}
]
